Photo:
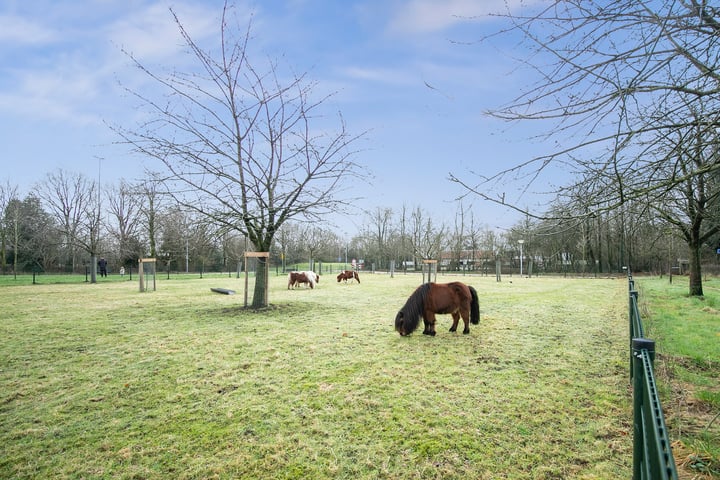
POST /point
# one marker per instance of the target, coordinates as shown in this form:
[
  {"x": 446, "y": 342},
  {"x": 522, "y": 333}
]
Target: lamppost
[{"x": 521, "y": 256}]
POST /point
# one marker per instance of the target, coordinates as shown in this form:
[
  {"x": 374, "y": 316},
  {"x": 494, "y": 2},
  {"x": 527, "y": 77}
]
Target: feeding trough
[{"x": 224, "y": 291}]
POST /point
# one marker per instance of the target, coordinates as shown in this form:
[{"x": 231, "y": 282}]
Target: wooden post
[
  {"x": 141, "y": 273},
  {"x": 431, "y": 264}
]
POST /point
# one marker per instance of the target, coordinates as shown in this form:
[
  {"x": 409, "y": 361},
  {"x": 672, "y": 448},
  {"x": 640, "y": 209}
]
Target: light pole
[{"x": 521, "y": 256}]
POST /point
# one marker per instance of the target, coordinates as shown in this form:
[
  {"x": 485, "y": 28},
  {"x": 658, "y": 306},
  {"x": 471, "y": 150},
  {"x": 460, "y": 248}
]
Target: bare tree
[
  {"x": 380, "y": 229},
  {"x": 32, "y": 234},
  {"x": 472, "y": 240},
  {"x": 613, "y": 77},
  {"x": 124, "y": 204},
  {"x": 287, "y": 238},
  {"x": 459, "y": 237},
  {"x": 233, "y": 250},
  {"x": 243, "y": 145},
  {"x": 315, "y": 243},
  {"x": 426, "y": 237},
  {"x": 74, "y": 202},
  {"x": 405, "y": 247},
  {"x": 150, "y": 209},
  {"x": 693, "y": 208},
  {"x": 8, "y": 193}
]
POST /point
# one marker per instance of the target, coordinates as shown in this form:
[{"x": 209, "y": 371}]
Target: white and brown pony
[
  {"x": 348, "y": 275},
  {"x": 307, "y": 278}
]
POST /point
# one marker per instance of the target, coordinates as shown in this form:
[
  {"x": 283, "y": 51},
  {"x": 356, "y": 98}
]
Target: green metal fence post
[
  {"x": 639, "y": 441},
  {"x": 632, "y": 321}
]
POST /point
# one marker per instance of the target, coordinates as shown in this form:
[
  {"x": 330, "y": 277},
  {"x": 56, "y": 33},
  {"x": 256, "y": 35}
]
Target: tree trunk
[
  {"x": 260, "y": 299},
  {"x": 93, "y": 268},
  {"x": 696, "y": 288}
]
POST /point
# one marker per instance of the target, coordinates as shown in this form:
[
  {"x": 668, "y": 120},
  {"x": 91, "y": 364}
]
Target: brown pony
[
  {"x": 348, "y": 275},
  {"x": 455, "y": 298}
]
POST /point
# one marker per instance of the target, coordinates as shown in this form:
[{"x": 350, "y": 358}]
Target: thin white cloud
[
  {"x": 74, "y": 81},
  {"x": 15, "y": 30},
  {"x": 423, "y": 16},
  {"x": 380, "y": 75},
  {"x": 152, "y": 34},
  {"x": 67, "y": 93}
]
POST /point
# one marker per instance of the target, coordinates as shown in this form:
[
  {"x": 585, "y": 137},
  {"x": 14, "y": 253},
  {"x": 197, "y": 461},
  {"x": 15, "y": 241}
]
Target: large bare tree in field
[
  {"x": 615, "y": 79},
  {"x": 245, "y": 144}
]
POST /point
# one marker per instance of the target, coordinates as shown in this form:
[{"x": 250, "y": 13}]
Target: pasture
[
  {"x": 687, "y": 332},
  {"x": 101, "y": 381}
]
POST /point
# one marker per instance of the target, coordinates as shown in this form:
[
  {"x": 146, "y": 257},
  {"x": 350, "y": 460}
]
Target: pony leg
[
  {"x": 429, "y": 320},
  {"x": 466, "y": 320},
  {"x": 467, "y": 325},
  {"x": 456, "y": 319}
]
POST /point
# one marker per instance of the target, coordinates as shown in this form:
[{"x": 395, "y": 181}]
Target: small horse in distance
[
  {"x": 295, "y": 278},
  {"x": 428, "y": 299},
  {"x": 312, "y": 275},
  {"x": 348, "y": 275},
  {"x": 306, "y": 278}
]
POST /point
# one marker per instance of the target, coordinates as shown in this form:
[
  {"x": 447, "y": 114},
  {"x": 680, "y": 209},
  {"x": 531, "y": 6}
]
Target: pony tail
[{"x": 474, "y": 306}]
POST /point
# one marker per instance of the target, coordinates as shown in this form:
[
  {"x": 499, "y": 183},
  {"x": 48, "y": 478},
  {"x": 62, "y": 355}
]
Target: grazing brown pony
[
  {"x": 348, "y": 275},
  {"x": 455, "y": 298}
]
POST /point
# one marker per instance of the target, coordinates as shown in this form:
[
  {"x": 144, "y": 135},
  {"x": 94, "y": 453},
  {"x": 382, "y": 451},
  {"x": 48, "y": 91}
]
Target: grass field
[
  {"x": 687, "y": 334},
  {"x": 101, "y": 381}
]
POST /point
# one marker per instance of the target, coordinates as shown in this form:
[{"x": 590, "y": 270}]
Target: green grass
[
  {"x": 687, "y": 334},
  {"x": 101, "y": 381}
]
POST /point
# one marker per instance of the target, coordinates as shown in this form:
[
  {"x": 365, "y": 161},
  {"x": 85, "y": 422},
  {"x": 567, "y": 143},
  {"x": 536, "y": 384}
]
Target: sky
[{"x": 410, "y": 72}]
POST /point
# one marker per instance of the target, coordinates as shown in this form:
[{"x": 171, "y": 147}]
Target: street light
[{"x": 521, "y": 256}]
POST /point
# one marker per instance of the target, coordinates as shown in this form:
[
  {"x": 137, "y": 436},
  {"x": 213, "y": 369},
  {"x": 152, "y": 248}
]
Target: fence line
[{"x": 652, "y": 452}]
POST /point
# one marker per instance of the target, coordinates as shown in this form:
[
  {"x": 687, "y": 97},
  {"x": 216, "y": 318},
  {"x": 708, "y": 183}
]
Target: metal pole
[
  {"x": 246, "y": 281},
  {"x": 639, "y": 460}
]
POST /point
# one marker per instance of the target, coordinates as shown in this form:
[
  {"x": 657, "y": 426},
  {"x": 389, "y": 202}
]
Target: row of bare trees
[
  {"x": 65, "y": 226},
  {"x": 631, "y": 237},
  {"x": 69, "y": 222}
]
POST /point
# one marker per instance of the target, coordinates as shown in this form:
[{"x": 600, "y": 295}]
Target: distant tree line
[{"x": 67, "y": 222}]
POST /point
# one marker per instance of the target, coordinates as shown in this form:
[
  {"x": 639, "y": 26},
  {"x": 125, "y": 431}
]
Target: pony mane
[
  {"x": 413, "y": 308},
  {"x": 312, "y": 277}
]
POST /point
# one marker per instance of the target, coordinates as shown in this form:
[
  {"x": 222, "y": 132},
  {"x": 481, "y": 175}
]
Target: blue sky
[{"x": 410, "y": 71}]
